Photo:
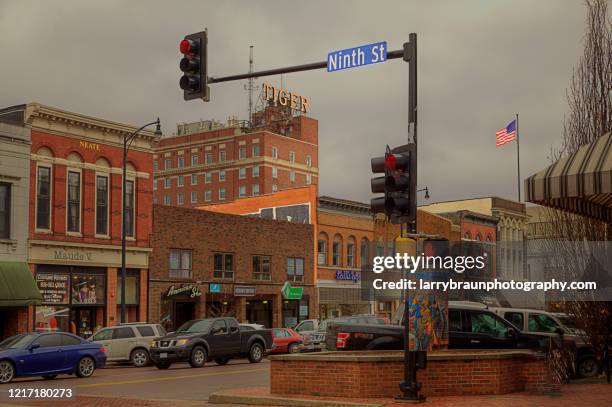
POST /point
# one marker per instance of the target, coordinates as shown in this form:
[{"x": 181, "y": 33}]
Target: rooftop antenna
[{"x": 250, "y": 86}]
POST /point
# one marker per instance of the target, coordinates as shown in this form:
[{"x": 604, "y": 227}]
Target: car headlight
[
  {"x": 182, "y": 342},
  {"x": 152, "y": 344}
]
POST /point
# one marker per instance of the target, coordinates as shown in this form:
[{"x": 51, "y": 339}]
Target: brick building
[
  {"x": 75, "y": 193},
  {"x": 209, "y": 163},
  {"x": 207, "y": 264}
]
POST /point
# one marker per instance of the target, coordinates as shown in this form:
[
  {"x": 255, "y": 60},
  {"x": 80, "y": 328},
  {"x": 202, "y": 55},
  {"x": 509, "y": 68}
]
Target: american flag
[{"x": 507, "y": 134}]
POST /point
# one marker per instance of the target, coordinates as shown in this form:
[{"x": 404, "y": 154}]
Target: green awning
[{"x": 17, "y": 285}]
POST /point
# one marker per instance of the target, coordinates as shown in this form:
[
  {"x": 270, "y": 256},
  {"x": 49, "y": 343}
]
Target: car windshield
[
  {"x": 195, "y": 326},
  {"x": 16, "y": 341}
]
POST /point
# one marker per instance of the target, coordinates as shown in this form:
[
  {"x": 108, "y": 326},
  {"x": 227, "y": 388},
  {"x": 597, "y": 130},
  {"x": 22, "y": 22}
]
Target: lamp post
[{"x": 127, "y": 141}]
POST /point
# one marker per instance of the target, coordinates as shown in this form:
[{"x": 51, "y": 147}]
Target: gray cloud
[{"x": 479, "y": 63}]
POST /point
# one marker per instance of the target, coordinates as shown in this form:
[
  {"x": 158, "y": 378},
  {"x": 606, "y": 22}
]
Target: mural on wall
[{"x": 428, "y": 319}]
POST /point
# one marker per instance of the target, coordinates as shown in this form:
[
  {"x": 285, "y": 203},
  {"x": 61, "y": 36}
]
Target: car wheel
[
  {"x": 7, "y": 371},
  {"x": 198, "y": 357},
  {"x": 86, "y": 367},
  {"x": 139, "y": 357},
  {"x": 222, "y": 361},
  {"x": 588, "y": 367},
  {"x": 163, "y": 365},
  {"x": 293, "y": 348},
  {"x": 256, "y": 353},
  {"x": 50, "y": 377}
]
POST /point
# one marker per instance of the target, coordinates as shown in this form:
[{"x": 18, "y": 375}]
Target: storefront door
[
  {"x": 85, "y": 320},
  {"x": 183, "y": 312},
  {"x": 259, "y": 312}
]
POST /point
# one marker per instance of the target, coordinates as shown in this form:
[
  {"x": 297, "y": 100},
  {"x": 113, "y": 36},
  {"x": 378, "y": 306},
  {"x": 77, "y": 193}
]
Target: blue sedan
[{"x": 47, "y": 355}]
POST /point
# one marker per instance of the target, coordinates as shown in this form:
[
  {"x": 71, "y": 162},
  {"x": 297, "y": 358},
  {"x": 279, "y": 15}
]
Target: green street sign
[{"x": 291, "y": 293}]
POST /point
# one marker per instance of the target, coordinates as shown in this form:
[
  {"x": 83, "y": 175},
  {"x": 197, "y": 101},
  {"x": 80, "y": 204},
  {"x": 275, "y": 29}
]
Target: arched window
[
  {"x": 467, "y": 236},
  {"x": 478, "y": 237},
  {"x": 364, "y": 252},
  {"x": 337, "y": 251},
  {"x": 322, "y": 249},
  {"x": 350, "y": 252}
]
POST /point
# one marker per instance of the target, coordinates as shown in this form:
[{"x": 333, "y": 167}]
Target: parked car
[
  {"x": 129, "y": 342},
  {"x": 314, "y": 331},
  {"x": 286, "y": 340},
  {"x": 201, "y": 340},
  {"x": 47, "y": 355},
  {"x": 471, "y": 325},
  {"x": 548, "y": 323}
]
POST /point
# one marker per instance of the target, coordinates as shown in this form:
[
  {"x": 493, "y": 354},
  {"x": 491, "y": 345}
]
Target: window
[
  {"x": 48, "y": 341},
  {"x": 208, "y": 177},
  {"x": 219, "y": 327},
  {"x": 308, "y": 179},
  {"x": 194, "y": 197},
  {"x": 321, "y": 252},
  {"x": 274, "y": 187},
  {"x": 155, "y": 165},
  {"x": 181, "y": 162},
  {"x": 102, "y": 205},
  {"x": 208, "y": 195},
  {"x": 74, "y": 201},
  {"x": 146, "y": 331},
  {"x": 208, "y": 158},
  {"x": 255, "y": 171},
  {"x": 292, "y": 156},
  {"x": 221, "y": 175},
  {"x": 167, "y": 163},
  {"x": 5, "y": 211},
  {"x": 168, "y": 183},
  {"x": 488, "y": 324},
  {"x": 292, "y": 176},
  {"x": 103, "y": 335},
  {"x": 256, "y": 150},
  {"x": 242, "y": 173},
  {"x": 180, "y": 263},
  {"x": 363, "y": 251},
  {"x": 123, "y": 333},
  {"x": 167, "y": 200},
  {"x": 541, "y": 323},
  {"x": 154, "y": 185},
  {"x": 43, "y": 198},
  {"x": 224, "y": 266},
  {"x": 242, "y": 153},
  {"x": 308, "y": 161},
  {"x": 131, "y": 289},
  {"x": 336, "y": 252},
  {"x": 516, "y": 318},
  {"x": 180, "y": 181},
  {"x": 242, "y": 191},
  {"x": 454, "y": 321},
  {"x": 295, "y": 269},
  {"x": 274, "y": 152},
  {"x": 305, "y": 326},
  {"x": 194, "y": 160},
  {"x": 194, "y": 179},
  {"x": 350, "y": 254},
  {"x": 69, "y": 340},
  {"x": 274, "y": 172},
  {"x": 261, "y": 268},
  {"x": 222, "y": 156},
  {"x": 180, "y": 199},
  {"x": 154, "y": 199},
  {"x": 222, "y": 194},
  {"x": 255, "y": 189}
]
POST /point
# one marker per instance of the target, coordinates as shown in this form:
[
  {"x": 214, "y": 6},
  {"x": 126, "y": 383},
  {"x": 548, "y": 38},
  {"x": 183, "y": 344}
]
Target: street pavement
[{"x": 180, "y": 384}]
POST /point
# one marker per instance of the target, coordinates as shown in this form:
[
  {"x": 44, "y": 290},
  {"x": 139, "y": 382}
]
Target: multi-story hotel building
[{"x": 211, "y": 163}]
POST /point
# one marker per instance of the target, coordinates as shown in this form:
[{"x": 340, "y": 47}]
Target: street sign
[
  {"x": 214, "y": 288},
  {"x": 358, "y": 56},
  {"x": 291, "y": 293}
]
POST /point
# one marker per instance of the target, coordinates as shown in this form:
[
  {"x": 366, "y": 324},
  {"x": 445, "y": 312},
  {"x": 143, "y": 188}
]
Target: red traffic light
[
  {"x": 390, "y": 162},
  {"x": 187, "y": 47}
]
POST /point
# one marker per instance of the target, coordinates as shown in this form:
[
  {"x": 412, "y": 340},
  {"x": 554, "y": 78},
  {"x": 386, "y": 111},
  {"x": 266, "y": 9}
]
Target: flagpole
[{"x": 518, "y": 160}]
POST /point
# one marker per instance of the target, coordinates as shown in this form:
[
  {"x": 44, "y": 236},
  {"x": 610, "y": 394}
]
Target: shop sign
[
  {"x": 244, "y": 291},
  {"x": 89, "y": 145},
  {"x": 291, "y": 293},
  {"x": 214, "y": 288},
  {"x": 351, "y": 275},
  {"x": 187, "y": 289},
  {"x": 53, "y": 287},
  {"x": 72, "y": 255}
]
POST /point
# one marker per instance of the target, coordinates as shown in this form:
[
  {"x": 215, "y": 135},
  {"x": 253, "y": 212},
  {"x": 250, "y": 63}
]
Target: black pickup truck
[
  {"x": 471, "y": 326},
  {"x": 201, "y": 340}
]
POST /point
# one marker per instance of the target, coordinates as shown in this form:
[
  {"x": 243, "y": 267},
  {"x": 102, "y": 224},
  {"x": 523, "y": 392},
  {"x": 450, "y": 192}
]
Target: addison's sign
[
  {"x": 286, "y": 98},
  {"x": 188, "y": 289}
]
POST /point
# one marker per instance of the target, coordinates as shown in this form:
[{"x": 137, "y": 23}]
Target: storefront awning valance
[
  {"x": 17, "y": 285},
  {"x": 580, "y": 183}
]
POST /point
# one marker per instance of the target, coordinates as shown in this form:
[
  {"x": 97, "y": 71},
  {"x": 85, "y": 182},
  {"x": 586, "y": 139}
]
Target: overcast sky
[{"x": 480, "y": 62}]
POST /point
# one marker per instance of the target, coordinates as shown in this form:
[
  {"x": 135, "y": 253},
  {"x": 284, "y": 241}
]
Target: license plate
[{"x": 163, "y": 355}]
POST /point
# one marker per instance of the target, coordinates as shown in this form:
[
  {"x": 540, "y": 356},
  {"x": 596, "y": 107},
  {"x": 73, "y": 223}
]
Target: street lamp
[
  {"x": 127, "y": 142},
  {"x": 426, "y": 189}
]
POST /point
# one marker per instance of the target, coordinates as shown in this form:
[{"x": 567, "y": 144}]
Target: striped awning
[{"x": 580, "y": 183}]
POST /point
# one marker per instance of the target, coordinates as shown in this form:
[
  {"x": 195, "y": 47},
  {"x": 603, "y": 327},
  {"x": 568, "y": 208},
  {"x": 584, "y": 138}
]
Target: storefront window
[
  {"x": 52, "y": 318},
  {"x": 87, "y": 288},
  {"x": 131, "y": 289}
]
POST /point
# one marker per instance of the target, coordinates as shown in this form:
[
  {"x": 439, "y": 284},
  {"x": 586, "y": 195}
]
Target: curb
[{"x": 225, "y": 398}]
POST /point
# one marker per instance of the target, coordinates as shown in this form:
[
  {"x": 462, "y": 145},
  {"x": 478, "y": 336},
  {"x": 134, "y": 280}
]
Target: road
[{"x": 180, "y": 382}]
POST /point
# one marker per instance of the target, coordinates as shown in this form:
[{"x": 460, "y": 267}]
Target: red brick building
[
  {"x": 207, "y": 264},
  {"x": 75, "y": 218},
  {"x": 211, "y": 163}
]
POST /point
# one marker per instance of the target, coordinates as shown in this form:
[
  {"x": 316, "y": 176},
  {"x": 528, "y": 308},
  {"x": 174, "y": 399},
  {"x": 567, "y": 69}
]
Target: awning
[
  {"x": 17, "y": 285},
  {"x": 580, "y": 183}
]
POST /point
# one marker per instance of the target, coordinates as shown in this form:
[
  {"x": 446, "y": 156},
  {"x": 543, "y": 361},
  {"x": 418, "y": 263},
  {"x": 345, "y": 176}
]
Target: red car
[{"x": 286, "y": 340}]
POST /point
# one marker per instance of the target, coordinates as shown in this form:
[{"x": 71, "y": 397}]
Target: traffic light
[
  {"x": 194, "y": 66},
  {"x": 396, "y": 185}
]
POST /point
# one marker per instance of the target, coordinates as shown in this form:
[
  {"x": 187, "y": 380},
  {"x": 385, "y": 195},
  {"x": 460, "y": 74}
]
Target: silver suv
[{"x": 128, "y": 342}]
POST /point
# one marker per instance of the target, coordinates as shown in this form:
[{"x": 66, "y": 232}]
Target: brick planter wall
[{"x": 378, "y": 374}]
